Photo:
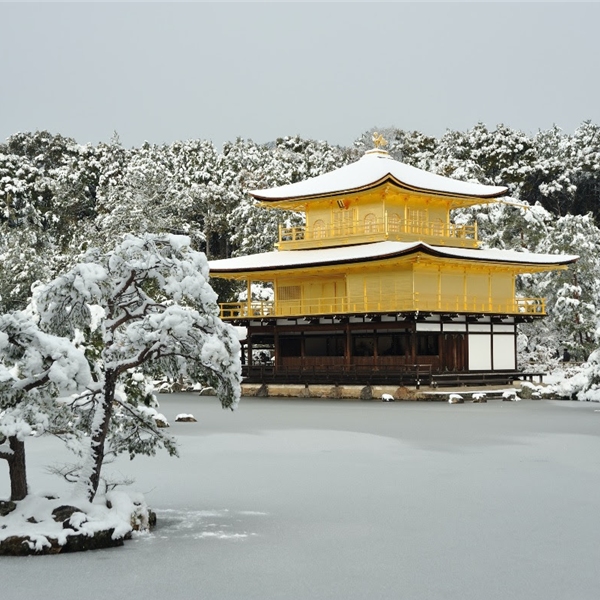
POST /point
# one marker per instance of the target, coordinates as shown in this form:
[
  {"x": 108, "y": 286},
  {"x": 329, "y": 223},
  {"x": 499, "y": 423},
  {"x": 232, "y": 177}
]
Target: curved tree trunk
[{"x": 100, "y": 432}]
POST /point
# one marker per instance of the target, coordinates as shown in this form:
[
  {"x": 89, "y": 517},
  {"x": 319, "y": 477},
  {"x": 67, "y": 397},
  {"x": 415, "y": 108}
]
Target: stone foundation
[{"x": 329, "y": 392}]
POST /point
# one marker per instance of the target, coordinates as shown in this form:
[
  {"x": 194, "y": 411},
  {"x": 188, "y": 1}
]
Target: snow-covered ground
[{"x": 301, "y": 499}]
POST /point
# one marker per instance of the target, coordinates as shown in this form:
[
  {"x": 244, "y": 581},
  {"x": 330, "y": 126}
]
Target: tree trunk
[
  {"x": 100, "y": 433},
  {"x": 16, "y": 469}
]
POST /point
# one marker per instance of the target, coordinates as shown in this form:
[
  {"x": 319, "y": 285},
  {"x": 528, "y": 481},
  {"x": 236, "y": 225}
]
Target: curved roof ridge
[{"x": 372, "y": 170}]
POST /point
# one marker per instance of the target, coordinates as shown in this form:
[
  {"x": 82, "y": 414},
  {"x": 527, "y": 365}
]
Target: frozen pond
[{"x": 312, "y": 499}]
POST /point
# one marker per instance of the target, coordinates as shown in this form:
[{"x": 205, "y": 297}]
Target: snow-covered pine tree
[
  {"x": 585, "y": 158},
  {"x": 35, "y": 369},
  {"x": 144, "y": 307},
  {"x": 572, "y": 295},
  {"x": 25, "y": 238},
  {"x": 45, "y": 183},
  {"x": 142, "y": 198},
  {"x": 550, "y": 179}
]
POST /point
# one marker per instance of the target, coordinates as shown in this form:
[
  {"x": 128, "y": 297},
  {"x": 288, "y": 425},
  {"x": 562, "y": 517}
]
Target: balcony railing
[
  {"x": 361, "y": 231},
  {"x": 390, "y": 303}
]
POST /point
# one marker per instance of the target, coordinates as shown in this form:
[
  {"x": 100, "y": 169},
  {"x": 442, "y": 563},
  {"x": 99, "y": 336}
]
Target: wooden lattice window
[
  {"x": 289, "y": 292},
  {"x": 370, "y": 223},
  {"x": 394, "y": 223},
  {"x": 417, "y": 215},
  {"x": 319, "y": 229},
  {"x": 417, "y": 220},
  {"x": 342, "y": 222}
]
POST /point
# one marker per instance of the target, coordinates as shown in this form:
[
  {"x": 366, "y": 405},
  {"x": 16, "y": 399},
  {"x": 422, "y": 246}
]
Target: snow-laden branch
[
  {"x": 35, "y": 369},
  {"x": 157, "y": 313}
]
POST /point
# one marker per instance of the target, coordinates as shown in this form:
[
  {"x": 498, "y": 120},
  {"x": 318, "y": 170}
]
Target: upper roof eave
[
  {"x": 372, "y": 170},
  {"x": 388, "y": 178}
]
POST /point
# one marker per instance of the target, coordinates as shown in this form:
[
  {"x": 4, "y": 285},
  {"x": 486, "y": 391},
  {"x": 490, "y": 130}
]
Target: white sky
[{"x": 162, "y": 72}]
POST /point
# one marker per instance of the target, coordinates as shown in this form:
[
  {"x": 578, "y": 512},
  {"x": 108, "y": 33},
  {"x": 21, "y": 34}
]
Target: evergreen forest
[{"x": 59, "y": 198}]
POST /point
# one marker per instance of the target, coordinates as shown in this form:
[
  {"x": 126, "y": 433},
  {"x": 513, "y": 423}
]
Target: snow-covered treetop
[
  {"x": 151, "y": 303},
  {"x": 30, "y": 356},
  {"x": 35, "y": 367}
]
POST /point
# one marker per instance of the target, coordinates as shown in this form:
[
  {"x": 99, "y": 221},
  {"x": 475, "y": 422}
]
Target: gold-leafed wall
[{"x": 405, "y": 285}]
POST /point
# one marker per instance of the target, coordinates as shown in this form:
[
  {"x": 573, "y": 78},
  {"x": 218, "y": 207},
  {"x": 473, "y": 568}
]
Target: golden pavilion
[{"x": 380, "y": 286}]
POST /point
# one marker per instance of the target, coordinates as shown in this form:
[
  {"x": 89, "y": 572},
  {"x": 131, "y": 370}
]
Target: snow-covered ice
[{"x": 296, "y": 499}]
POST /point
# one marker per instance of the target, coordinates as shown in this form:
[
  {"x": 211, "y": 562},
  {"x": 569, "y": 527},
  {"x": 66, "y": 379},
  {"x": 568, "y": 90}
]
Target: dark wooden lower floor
[
  {"x": 399, "y": 375},
  {"x": 340, "y": 374},
  {"x": 397, "y": 350}
]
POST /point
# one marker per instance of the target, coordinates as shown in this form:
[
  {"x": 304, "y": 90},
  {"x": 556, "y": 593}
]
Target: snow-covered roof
[
  {"x": 373, "y": 169},
  {"x": 298, "y": 259}
]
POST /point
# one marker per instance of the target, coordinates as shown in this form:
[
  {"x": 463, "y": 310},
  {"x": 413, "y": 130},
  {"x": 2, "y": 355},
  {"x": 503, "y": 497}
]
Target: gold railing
[
  {"x": 388, "y": 303},
  {"x": 359, "y": 231},
  {"x": 236, "y": 310}
]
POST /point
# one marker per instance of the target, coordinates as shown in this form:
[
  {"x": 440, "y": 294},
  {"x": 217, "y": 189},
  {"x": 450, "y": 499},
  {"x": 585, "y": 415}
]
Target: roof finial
[
  {"x": 378, "y": 146},
  {"x": 378, "y": 140}
]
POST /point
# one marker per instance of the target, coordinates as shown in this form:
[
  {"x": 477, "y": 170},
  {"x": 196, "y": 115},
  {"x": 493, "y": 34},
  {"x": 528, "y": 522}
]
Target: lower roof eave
[
  {"x": 414, "y": 315},
  {"x": 262, "y": 266}
]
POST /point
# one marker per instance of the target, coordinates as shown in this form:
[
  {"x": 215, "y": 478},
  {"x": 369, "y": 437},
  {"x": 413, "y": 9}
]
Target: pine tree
[
  {"x": 144, "y": 308},
  {"x": 35, "y": 369}
]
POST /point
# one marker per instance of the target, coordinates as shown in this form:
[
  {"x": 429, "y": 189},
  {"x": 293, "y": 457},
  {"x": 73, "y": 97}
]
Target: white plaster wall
[
  {"x": 480, "y": 352},
  {"x": 504, "y": 352}
]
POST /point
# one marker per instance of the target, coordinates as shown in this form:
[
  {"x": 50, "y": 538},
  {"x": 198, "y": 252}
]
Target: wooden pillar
[
  {"x": 249, "y": 296},
  {"x": 249, "y": 351},
  {"x": 348, "y": 349},
  {"x": 276, "y": 349},
  {"x": 375, "y": 349},
  {"x": 441, "y": 345}
]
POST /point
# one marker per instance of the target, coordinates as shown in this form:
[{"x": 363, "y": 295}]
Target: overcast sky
[{"x": 163, "y": 72}]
